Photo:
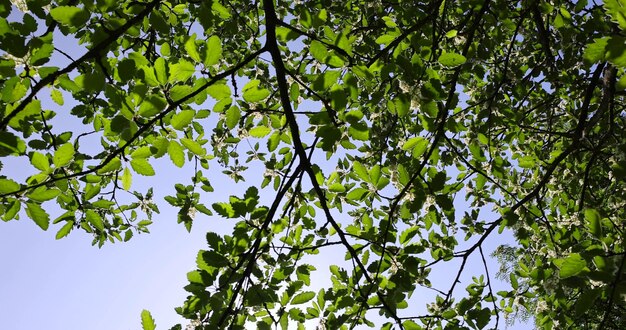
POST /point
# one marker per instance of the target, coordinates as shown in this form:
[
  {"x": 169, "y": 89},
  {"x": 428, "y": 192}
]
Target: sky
[{"x": 68, "y": 284}]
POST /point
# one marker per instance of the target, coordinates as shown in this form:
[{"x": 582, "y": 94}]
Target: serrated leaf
[
  {"x": 302, "y": 297},
  {"x": 193, "y": 146},
  {"x": 260, "y": 131},
  {"x": 411, "y": 143},
  {"x": 593, "y": 222},
  {"x": 177, "y": 155},
  {"x": 160, "y": 70},
  {"x": 224, "y": 209},
  {"x": 357, "y": 194},
  {"x": 65, "y": 230},
  {"x": 152, "y": 106},
  {"x": 94, "y": 219},
  {"x": 8, "y": 186},
  {"x": 402, "y": 104},
  {"x": 408, "y": 234},
  {"x": 181, "y": 71},
  {"x": 233, "y": 114},
  {"x": 337, "y": 187},
  {"x": 191, "y": 49},
  {"x": 40, "y": 161},
  {"x": 182, "y": 119},
  {"x": 127, "y": 179},
  {"x": 142, "y": 152},
  {"x": 360, "y": 171},
  {"x": 147, "y": 322},
  {"x": 218, "y": 91},
  {"x": 43, "y": 194},
  {"x": 253, "y": 93},
  {"x": 213, "y": 52},
  {"x": 57, "y": 96},
  {"x": 63, "y": 155},
  {"x": 113, "y": 165},
  {"x": 573, "y": 265},
  {"x": 451, "y": 60},
  {"x": 38, "y": 214},
  {"x": 142, "y": 166},
  {"x": 70, "y": 15},
  {"x": 11, "y": 144},
  {"x": 411, "y": 325},
  {"x": 617, "y": 10}
]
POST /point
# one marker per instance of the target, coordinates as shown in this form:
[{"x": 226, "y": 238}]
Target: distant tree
[{"x": 400, "y": 135}]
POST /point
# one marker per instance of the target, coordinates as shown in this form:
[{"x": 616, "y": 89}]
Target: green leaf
[
  {"x": 65, "y": 230},
  {"x": 40, "y": 161},
  {"x": 361, "y": 171},
  {"x": 357, "y": 194},
  {"x": 176, "y": 153},
  {"x": 612, "y": 49},
  {"x": 70, "y": 16},
  {"x": 127, "y": 179},
  {"x": 11, "y": 144},
  {"x": 573, "y": 265},
  {"x": 321, "y": 53},
  {"x": 451, "y": 60},
  {"x": 253, "y": 93},
  {"x": 181, "y": 71},
  {"x": 8, "y": 186},
  {"x": 617, "y": 10},
  {"x": 182, "y": 119},
  {"x": 260, "y": 131},
  {"x": 302, "y": 297},
  {"x": 233, "y": 114},
  {"x": 152, "y": 106},
  {"x": 191, "y": 49},
  {"x": 63, "y": 155},
  {"x": 160, "y": 70},
  {"x": 43, "y": 194},
  {"x": 403, "y": 105},
  {"x": 35, "y": 212},
  {"x": 193, "y": 146},
  {"x": 147, "y": 322},
  {"x": 408, "y": 234},
  {"x": 585, "y": 301},
  {"x": 213, "y": 51},
  {"x": 56, "y": 96},
  {"x": 593, "y": 222},
  {"x": 218, "y": 91},
  {"x": 113, "y": 165},
  {"x": 411, "y": 325},
  {"x": 224, "y": 209},
  {"x": 337, "y": 187},
  {"x": 142, "y": 166},
  {"x": 94, "y": 219}
]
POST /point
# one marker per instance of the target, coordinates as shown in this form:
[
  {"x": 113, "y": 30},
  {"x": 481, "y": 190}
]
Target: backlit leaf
[
  {"x": 176, "y": 153},
  {"x": 259, "y": 131},
  {"x": 213, "y": 51},
  {"x": 303, "y": 297},
  {"x": 147, "y": 322},
  {"x": 451, "y": 60},
  {"x": 63, "y": 155},
  {"x": 37, "y": 213},
  {"x": 252, "y": 92},
  {"x": 142, "y": 166}
]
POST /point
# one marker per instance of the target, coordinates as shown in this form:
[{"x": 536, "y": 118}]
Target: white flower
[{"x": 21, "y": 5}]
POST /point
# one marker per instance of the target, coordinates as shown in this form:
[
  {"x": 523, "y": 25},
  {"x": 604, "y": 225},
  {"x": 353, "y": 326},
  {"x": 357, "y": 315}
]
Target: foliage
[{"x": 401, "y": 135}]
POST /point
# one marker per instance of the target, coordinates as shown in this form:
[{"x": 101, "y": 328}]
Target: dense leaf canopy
[{"x": 397, "y": 135}]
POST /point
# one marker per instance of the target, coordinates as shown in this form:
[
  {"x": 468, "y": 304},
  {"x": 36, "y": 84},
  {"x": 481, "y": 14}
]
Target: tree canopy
[{"x": 397, "y": 135}]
